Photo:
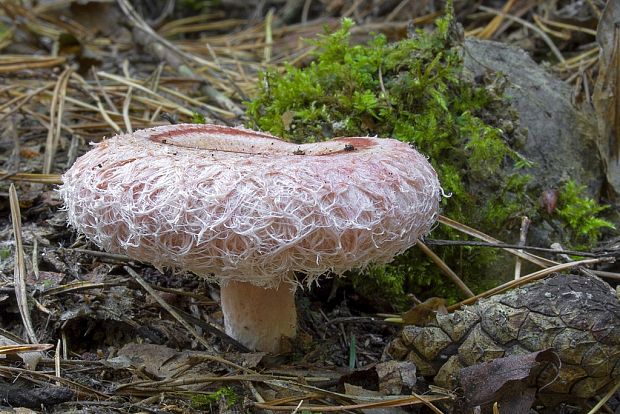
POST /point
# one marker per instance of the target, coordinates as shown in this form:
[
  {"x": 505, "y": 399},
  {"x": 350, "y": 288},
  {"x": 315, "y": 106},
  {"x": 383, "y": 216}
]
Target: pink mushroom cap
[{"x": 236, "y": 205}]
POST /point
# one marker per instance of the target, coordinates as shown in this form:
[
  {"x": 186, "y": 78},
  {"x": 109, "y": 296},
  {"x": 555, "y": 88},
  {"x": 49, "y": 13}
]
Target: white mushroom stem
[{"x": 258, "y": 317}]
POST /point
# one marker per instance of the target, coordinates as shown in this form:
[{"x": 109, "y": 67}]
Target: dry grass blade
[
  {"x": 268, "y": 36},
  {"x": 529, "y": 278},
  {"x": 57, "y": 359},
  {"x": 167, "y": 307},
  {"x": 16, "y": 103},
  {"x": 445, "y": 269},
  {"x": 31, "y": 177},
  {"x": 494, "y": 24},
  {"x": 565, "y": 26},
  {"x": 15, "y": 63},
  {"x": 134, "y": 84},
  {"x": 126, "y": 105},
  {"x": 540, "y": 261},
  {"x": 428, "y": 403},
  {"x": 80, "y": 285},
  {"x": 531, "y": 26},
  {"x": 21, "y": 293},
  {"x": 166, "y": 51},
  {"x": 56, "y": 112},
  {"x": 388, "y": 402},
  {"x": 15, "y": 349},
  {"x": 100, "y": 107},
  {"x": 439, "y": 242}
]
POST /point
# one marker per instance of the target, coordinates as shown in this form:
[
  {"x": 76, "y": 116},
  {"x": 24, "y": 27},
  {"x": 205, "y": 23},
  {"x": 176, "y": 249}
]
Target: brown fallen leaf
[
  {"x": 425, "y": 312},
  {"x": 510, "y": 382}
]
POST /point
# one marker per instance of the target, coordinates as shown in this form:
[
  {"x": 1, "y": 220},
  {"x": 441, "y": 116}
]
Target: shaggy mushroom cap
[{"x": 235, "y": 205}]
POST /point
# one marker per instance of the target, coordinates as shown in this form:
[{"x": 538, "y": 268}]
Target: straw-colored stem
[{"x": 257, "y": 317}]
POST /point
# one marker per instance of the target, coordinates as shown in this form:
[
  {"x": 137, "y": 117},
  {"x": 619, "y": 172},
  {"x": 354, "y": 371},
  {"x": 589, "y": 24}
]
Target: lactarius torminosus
[{"x": 251, "y": 211}]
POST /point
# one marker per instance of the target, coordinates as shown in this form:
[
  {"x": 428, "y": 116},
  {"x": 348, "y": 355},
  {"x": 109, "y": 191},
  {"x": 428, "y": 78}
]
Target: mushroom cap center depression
[{"x": 241, "y": 205}]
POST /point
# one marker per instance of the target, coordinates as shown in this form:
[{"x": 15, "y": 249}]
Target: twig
[
  {"x": 606, "y": 275},
  {"x": 30, "y": 177},
  {"x": 81, "y": 390},
  {"x": 540, "y": 261},
  {"x": 525, "y": 225},
  {"x": 446, "y": 269},
  {"x": 165, "y": 50},
  {"x": 19, "y": 274},
  {"x": 268, "y": 36},
  {"x": 529, "y": 278},
  {"x": 56, "y": 112},
  {"x": 167, "y": 307},
  {"x": 499, "y": 245},
  {"x": 386, "y": 403}
]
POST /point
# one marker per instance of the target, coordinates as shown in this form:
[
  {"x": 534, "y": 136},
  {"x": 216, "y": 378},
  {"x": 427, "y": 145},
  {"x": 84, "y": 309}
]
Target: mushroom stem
[{"x": 259, "y": 317}]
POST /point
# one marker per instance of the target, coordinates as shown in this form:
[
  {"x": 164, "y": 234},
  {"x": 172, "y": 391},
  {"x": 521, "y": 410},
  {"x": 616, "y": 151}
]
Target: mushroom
[{"x": 251, "y": 211}]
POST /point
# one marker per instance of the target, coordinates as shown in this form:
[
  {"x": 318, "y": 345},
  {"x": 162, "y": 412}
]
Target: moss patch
[
  {"x": 413, "y": 90},
  {"x": 225, "y": 395},
  {"x": 580, "y": 216}
]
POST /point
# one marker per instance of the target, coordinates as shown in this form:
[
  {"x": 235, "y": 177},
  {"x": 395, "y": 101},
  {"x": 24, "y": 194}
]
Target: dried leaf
[
  {"x": 425, "y": 312},
  {"x": 158, "y": 360},
  {"x": 509, "y": 381}
]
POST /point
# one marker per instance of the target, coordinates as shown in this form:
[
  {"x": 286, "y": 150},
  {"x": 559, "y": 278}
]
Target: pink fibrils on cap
[
  {"x": 247, "y": 206},
  {"x": 232, "y": 204}
]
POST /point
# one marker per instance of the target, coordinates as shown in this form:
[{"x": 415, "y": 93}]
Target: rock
[{"x": 560, "y": 137}]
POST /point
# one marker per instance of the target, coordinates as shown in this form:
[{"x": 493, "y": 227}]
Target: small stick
[
  {"x": 446, "y": 269},
  {"x": 526, "y": 279},
  {"x": 540, "y": 261},
  {"x": 56, "y": 111},
  {"x": 19, "y": 274},
  {"x": 439, "y": 242},
  {"x": 606, "y": 398},
  {"x": 525, "y": 225},
  {"x": 127, "y": 100},
  {"x": 268, "y": 36}
]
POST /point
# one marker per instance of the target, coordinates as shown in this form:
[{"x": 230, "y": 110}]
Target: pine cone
[{"x": 576, "y": 316}]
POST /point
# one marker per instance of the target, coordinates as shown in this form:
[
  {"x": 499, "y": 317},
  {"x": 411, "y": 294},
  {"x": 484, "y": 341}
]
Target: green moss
[
  {"x": 413, "y": 90},
  {"x": 198, "y": 118},
  {"x": 205, "y": 401},
  {"x": 580, "y": 215},
  {"x": 5, "y": 254}
]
